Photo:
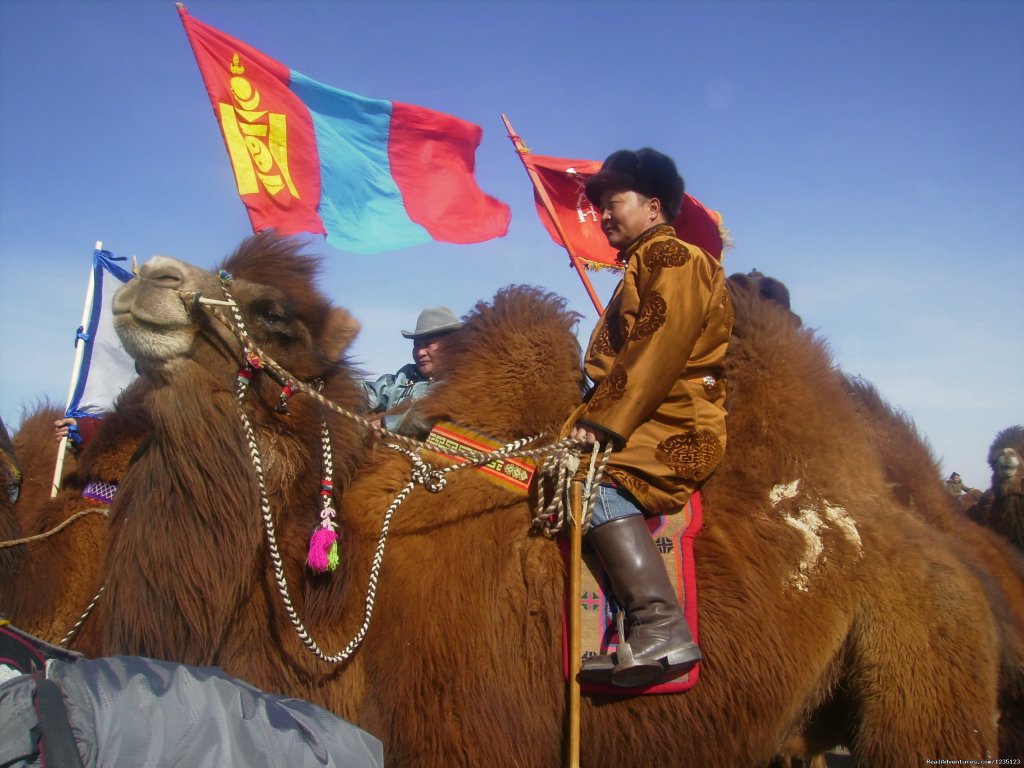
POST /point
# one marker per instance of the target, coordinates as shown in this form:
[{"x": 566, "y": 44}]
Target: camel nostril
[{"x": 164, "y": 272}]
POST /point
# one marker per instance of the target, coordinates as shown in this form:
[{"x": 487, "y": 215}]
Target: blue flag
[{"x": 103, "y": 369}]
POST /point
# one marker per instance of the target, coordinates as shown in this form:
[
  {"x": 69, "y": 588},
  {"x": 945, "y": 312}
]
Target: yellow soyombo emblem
[{"x": 257, "y": 139}]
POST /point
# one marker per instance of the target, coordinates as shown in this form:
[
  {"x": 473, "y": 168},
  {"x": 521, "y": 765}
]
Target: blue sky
[{"x": 868, "y": 154}]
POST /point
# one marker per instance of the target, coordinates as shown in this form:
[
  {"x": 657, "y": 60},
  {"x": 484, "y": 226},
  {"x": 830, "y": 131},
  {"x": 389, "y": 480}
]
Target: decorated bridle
[{"x": 322, "y": 552}]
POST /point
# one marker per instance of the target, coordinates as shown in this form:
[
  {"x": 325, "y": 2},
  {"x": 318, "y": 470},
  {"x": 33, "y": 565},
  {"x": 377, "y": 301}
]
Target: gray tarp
[{"x": 132, "y": 711}]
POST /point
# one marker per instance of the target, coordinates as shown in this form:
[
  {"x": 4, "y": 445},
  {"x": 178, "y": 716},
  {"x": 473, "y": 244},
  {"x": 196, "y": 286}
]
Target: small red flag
[{"x": 565, "y": 179}]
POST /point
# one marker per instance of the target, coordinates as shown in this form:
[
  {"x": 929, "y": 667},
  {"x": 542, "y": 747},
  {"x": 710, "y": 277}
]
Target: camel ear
[{"x": 340, "y": 331}]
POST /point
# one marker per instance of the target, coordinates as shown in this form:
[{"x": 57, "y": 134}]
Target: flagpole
[
  {"x": 522, "y": 149},
  {"x": 75, "y": 370}
]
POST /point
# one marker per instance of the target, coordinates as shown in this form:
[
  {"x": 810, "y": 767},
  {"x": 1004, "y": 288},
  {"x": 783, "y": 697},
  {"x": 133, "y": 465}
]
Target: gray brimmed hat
[
  {"x": 646, "y": 171},
  {"x": 433, "y": 322}
]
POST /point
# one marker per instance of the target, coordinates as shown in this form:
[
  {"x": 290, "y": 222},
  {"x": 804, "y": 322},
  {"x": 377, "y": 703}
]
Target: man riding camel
[{"x": 657, "y": 360}]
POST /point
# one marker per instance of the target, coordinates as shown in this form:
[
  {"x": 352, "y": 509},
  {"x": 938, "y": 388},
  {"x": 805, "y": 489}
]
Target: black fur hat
[{"x": 646, "y": 171}]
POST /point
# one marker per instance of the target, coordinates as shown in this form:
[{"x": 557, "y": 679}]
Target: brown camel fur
[
  {"x": 915, "y": 481},
  {"x": 57, "y": 577},
  {"x": 186, "y": 563},
  {"x": 913, "y": 476},
  {"x": 829, "y": 610}
]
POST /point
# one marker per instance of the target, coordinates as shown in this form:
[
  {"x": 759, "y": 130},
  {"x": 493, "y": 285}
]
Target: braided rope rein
[{"x": 85, "y": 615}]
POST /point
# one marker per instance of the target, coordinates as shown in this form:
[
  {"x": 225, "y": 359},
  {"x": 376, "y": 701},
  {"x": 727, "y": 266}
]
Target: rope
[
  {"x": 78, "y": 624},
  {"x": 56, "y": 529},
  {"x": 559, "y": 469}
]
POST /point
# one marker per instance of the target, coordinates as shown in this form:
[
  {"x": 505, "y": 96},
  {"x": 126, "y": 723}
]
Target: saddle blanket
[
  {"x": 513, "y": 474},
  {"x": 674, "y": 535}
]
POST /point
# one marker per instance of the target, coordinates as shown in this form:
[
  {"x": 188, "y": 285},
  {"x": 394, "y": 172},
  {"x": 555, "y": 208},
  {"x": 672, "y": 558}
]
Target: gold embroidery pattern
[
  {"x": 609, "y": 390},
  {"x": 728, "y": 310},
  {"x": 652, "y": 316},
  {"x": 667, "y": 253},
  {"x": 692, "y": 455},
  {"x": 603, "y": 343},
  {"x": 659, "y": 231}
]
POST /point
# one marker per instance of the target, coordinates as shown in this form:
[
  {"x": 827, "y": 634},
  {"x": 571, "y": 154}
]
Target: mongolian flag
[
  {"x": 371, "y": 175},
  {"x": 564, "y": 181}
]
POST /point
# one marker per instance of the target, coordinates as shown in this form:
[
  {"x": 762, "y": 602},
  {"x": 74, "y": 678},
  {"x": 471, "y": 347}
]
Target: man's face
[
  {"x": 427, "y": 354},
  {"x": 625, "y": 214}
]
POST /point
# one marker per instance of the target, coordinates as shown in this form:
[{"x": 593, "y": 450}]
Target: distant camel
[{"x": 1001, "y": 507}]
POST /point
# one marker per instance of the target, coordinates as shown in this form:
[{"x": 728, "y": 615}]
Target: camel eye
[{"x": 269, "y": 313}]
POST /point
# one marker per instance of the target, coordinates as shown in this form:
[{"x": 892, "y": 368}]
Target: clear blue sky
[{"x": 868, "y": 154}]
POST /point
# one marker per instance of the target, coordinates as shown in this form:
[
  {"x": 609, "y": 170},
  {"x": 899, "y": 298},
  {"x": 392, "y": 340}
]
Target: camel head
[
  {"x": 194, "y": 480},
  {"x": 768, "y": 288},
  {"x": 165, "y": 322},
  {"x": 1005, "y": 459}
]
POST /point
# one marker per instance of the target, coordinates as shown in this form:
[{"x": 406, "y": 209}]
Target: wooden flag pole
[
  {"x": 542, "y": 193},
  {"x": 58, "y": 470},
  {"x": 575, "y": 643}
]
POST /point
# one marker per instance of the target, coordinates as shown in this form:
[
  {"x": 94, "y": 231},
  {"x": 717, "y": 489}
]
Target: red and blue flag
[{"x": 371, "y": 175}]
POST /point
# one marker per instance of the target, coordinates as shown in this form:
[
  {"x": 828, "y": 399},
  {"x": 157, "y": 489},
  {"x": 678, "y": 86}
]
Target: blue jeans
[{"x": 611, "y": 504}]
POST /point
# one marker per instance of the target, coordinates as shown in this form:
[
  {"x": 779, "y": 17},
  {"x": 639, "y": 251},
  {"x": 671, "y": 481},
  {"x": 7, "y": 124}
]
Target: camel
[
  {"x": 1001, "y": 507},
  {"x": 829, "y": 613}
]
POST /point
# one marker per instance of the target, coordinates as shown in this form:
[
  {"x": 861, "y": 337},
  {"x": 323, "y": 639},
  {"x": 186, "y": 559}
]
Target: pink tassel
[{"x": 319, "y": 547}]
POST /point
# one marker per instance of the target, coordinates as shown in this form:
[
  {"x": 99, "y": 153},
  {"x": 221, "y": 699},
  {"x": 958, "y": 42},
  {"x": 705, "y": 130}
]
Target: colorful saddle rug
[{"x": 674, "y": 535}]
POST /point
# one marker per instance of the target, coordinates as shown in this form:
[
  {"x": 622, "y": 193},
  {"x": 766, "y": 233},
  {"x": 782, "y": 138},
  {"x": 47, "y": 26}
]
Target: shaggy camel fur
[
  {"x": 829, "y": 612},
  {"x": 913, "y": 475},
  {"x": 56, "y": 578}
]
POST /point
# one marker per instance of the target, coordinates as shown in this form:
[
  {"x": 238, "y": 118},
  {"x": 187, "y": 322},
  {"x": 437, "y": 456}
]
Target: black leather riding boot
[{"x": 659, "y": 641}]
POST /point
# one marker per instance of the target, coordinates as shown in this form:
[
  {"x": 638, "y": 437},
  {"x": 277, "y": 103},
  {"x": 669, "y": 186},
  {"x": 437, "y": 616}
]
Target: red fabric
[
  {"x": 260, "y": 96},
  {"x": 432, "y": 157},
  {"x": 699, "y": 225},
  {"x": 564, "y": 180}
]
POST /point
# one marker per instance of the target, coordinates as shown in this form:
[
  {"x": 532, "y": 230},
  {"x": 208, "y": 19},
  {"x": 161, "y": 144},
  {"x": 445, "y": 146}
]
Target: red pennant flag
[{"x": 565, "y": 180}]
